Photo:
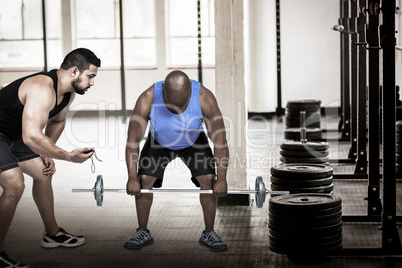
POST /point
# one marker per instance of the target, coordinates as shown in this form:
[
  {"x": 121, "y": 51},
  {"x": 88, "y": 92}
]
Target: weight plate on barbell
[
  {"x": 304, "y": 183},
  {"x": 98, "y": 190},
  {"x": 260, "y": 192},
  {"x": 301, "y": 171}
]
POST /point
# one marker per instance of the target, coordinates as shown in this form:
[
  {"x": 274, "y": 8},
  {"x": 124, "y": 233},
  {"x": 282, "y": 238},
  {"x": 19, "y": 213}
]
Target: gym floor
[{"x": 176, "y": 221}]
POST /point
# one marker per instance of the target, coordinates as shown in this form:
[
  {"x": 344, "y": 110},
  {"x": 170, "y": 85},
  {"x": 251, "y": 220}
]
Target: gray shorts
[{"x": 12, "y": 152}]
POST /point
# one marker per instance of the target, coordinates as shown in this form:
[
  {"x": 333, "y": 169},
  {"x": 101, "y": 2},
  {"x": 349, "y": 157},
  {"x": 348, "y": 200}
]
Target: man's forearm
[
  {"x": 54, "y": 130},
  {"x": 132, "y": 155},
  {"x": 221, "y": 161},
  {"x": 44, "y": 146}
]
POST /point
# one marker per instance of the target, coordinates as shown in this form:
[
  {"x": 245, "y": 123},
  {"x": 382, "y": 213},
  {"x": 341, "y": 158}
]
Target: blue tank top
[{"x": 176, "y": 131}]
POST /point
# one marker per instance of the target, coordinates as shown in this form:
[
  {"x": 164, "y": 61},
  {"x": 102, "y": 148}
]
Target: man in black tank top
[{"x": 27, "y": 106}]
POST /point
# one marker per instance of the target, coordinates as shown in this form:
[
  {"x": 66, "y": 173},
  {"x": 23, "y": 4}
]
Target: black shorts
[
  {"x": 154, "y": 158},
  {"x": 12, "y": 152}
]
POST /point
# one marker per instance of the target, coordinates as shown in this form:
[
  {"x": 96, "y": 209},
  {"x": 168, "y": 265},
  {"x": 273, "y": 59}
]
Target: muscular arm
[
  {"x": 136, "y": 131},
  {"x": 38, "y": 96},
  {"x": 216, "y": 132}
]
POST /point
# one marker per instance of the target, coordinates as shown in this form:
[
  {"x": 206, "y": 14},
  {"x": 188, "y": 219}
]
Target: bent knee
[
  {"x": 42, "y": 178},
  {"x": 147, "y": 181},
  {"x": 14, "y": 190},
  {"x": 206, "y": 181}
]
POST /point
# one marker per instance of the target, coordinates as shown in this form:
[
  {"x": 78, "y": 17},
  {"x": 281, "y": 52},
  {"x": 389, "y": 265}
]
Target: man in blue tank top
[
  {"x": 176, "y": 109},
  {"x": 27, "y": 106}
]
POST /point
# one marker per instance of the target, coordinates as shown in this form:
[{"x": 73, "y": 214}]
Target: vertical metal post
[
  {"x": 45, "y": 68},
  {"x": 279, "y": 109},
  {"x": 341, "y": 27},
  {"x": 354, "y": 80},
  {"x": 374, "y": 202},
  {"x": 345, "y": 71},
  {"x": 122, "y": 66},
  {"x": 361, "y": 163},
  {"x": 390, "y": 237},
  {"x": 199, "y": 37}
]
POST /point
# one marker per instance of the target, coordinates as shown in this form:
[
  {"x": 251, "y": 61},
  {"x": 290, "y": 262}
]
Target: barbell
[{"x": 260, "y": 191}]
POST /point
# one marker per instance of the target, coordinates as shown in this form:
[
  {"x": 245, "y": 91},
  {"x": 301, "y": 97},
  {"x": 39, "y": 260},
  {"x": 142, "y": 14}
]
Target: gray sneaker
[
  {"x": 140, "y": 238},
  {"x": 213, "y": 241}
]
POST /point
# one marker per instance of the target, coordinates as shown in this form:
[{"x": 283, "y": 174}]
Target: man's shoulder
[
  {"x": 147, "y": 96},
  {"x": 38, "y": 84},
  {"x": 205, "y": 93}
]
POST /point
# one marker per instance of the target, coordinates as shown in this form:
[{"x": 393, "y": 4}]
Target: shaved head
[
  {"x": 177, "y": 90},
  {"x": 177, "y": 80}
]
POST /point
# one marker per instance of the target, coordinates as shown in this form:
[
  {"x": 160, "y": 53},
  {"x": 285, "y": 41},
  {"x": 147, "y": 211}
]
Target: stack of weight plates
[
  {"x": 312, "y": 119},
  {"x": 398, "y": 149},
  {"x": 305, "y": 226},
  {"x": 302, "y": 178},
  {"x": 304, "y": 152}
]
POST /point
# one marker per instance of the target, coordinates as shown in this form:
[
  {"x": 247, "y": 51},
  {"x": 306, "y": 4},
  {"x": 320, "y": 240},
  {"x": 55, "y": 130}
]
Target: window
[
  {"x": 99, "y": 30},
  {"x": 21, "y": 33},
  {"x": 182, "y": 29},
  {"x": 96, "y": 25}
]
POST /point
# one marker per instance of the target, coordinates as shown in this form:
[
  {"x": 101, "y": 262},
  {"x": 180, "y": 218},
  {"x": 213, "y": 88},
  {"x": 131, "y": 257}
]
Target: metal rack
[{"x": 371, "y": 39}]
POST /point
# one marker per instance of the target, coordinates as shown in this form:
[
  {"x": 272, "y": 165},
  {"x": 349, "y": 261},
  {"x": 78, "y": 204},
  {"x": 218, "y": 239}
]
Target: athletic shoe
[
  {"x": 140, "y": 238},
  {"x": 6, "y": 262},
  {"x": 63, "y": 239},
  {"x": 212, "y": 241}
]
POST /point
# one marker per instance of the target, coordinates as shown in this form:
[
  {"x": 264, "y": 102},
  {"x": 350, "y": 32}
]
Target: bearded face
[{"x": 77, "y": 87}]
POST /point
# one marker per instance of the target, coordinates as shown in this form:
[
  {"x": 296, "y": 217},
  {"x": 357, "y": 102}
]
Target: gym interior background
[{"x": 139, "y": 42}]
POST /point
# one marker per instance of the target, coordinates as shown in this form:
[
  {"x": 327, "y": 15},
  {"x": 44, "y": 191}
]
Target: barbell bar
[{"x": 260, "y": 191}]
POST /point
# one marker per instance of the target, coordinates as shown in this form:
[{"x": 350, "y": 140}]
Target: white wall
[
  {"x": 310, "y": 53},
  {"x": 262, "y": 83}
]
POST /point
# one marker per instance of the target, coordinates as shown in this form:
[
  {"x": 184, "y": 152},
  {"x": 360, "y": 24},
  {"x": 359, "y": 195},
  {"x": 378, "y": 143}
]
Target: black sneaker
[
  {"x": 63, "y": 239},
  {"x": 6, "y": 262}
]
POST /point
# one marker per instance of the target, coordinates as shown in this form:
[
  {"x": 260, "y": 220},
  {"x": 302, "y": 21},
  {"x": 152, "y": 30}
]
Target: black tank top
[{"x": 11, "y": 107}]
